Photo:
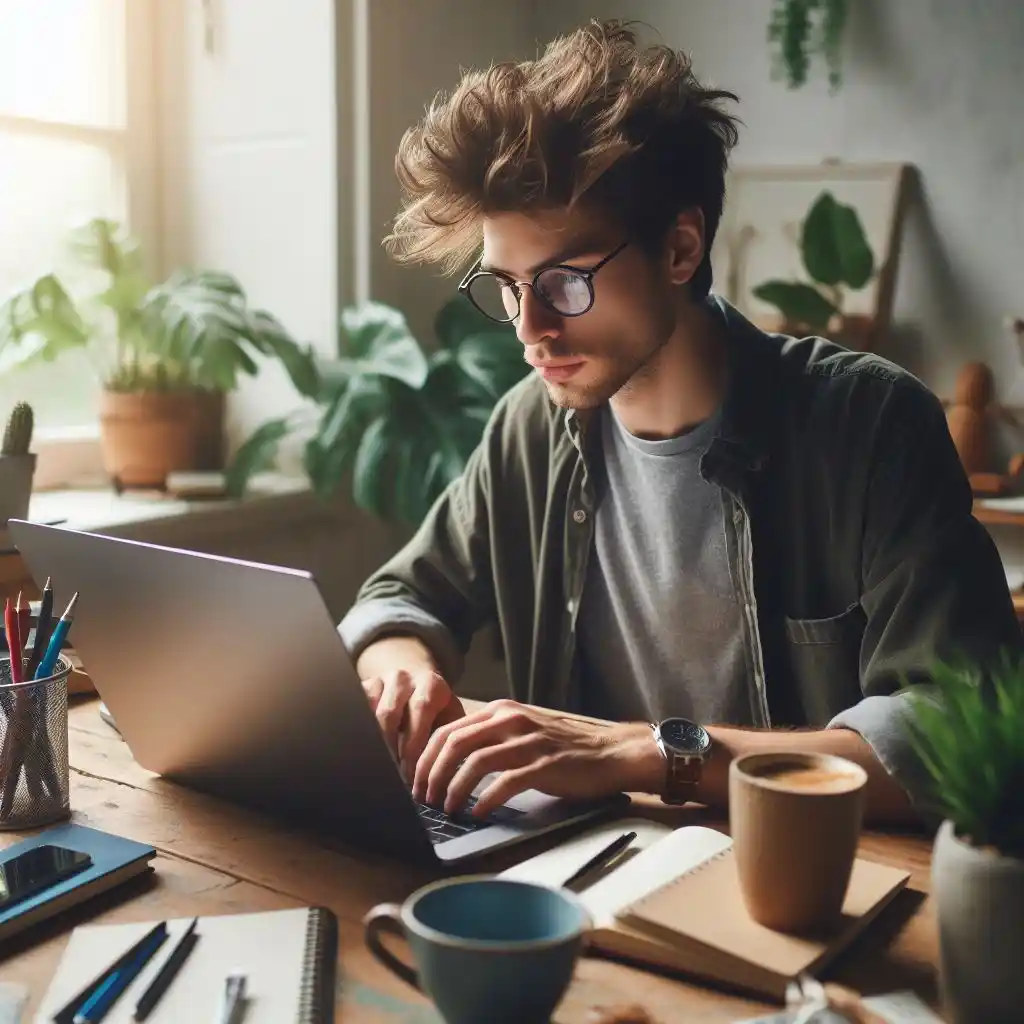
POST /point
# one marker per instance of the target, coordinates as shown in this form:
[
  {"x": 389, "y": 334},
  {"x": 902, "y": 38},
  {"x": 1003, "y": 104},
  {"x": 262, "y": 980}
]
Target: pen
[
  {"x": 602, "y": 857},
  {"x": 24, "y": 617},
  {"x": 78, "y": 1000},
  {"x": 232, "y": 999},
  {"x": 43, "y": 624},
  {"x": 159, "y": 985},
  {"x": 60, "y": 631},
  {"x": 13, "y": 629},
  {"x": 99, "y": 1003}
]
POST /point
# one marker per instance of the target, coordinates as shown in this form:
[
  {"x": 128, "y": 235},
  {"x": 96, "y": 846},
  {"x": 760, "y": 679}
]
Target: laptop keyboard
[{"x": 441, "y": 827}]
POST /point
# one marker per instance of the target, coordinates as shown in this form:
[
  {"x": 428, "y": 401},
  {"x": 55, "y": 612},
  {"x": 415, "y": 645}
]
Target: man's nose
[{"x": 536, "y": 323}]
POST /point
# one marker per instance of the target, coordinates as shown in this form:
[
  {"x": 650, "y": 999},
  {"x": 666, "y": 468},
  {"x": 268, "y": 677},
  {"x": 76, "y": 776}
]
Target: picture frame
[{"x": 758, "y": 238}]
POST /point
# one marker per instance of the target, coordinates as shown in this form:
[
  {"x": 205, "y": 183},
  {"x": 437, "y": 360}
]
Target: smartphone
[{"x": 38, "y": 869}]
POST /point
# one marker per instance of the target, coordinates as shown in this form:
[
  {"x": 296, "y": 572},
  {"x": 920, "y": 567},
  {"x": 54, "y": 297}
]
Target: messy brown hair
[{"x": 628, "y": 131}]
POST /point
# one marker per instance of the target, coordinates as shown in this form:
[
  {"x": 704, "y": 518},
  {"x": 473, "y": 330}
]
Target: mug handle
[{"x": 386, "y": 917}]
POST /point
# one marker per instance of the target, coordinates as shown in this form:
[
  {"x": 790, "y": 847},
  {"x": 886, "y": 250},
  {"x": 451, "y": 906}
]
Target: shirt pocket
[{"x": 824, "y": 657}]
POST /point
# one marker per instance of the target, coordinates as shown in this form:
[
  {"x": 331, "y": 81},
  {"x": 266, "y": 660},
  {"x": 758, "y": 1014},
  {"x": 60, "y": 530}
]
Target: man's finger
[
  {"x": 391, "y": 707},
  {"x": 429, "y": 698},
  {"x": 517, "y": 752},
  {"x": 460, "y": 742},
  {"x": 505, "y": 786},
  {"x": 436, "y": 743},
  {"x": 373, "y": 688}
]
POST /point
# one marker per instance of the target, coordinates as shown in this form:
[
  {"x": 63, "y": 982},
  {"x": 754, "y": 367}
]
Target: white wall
[
  {"x": 250, "y": 165},
  {"x": 935, "y": 83}
]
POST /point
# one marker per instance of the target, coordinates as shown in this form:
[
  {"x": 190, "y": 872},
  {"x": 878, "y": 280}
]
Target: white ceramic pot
[
  {"x": 16, "y": 473},
  {"x": 979, "y": 899}
]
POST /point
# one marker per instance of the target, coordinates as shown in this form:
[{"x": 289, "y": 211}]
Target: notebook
[
  {"x": 289, "y": 957},
  {"x": 114, "y": 861},
  {"x": 676, "y": 905}
]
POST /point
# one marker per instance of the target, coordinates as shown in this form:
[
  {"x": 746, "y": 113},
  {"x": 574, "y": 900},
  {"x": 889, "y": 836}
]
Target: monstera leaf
[{"x": 395, "y": 421}]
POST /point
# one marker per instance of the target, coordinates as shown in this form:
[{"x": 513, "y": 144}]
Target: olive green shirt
[{"x": 849, "y": 532}]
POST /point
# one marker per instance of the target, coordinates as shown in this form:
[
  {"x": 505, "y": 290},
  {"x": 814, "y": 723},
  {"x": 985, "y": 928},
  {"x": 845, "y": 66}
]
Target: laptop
[{"x": 230, "y": 677}]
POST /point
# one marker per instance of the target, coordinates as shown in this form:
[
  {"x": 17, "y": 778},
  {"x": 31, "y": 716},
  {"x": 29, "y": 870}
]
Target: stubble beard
[{"x": 621, "y": 376}]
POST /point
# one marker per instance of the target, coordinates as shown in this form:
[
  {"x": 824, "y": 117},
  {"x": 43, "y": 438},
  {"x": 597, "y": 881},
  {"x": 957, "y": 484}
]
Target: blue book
[{"x": 114, "y": 861}]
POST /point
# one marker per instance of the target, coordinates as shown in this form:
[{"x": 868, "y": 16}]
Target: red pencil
[
  {"x": 12, "y": 626},
  {"x": 24, "y": 613}
]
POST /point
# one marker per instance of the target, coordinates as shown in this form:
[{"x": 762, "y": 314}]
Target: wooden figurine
[{"x": 970, "y": 417}]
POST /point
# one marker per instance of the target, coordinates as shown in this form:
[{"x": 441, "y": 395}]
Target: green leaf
[
  {"x": 834, "y": 246},
  {"x": 368, "y": 474},
  {"x": 255, "y": 455},
  {"x": 299, "y": 363},
  {"x": 798, "y": 302},
  {"x": 458, "y": 318},
  {"x": 492, "y": 361}
]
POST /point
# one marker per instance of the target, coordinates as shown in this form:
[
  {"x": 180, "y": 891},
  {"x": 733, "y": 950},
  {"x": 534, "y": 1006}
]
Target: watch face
[{"x": 684, "y": 737}]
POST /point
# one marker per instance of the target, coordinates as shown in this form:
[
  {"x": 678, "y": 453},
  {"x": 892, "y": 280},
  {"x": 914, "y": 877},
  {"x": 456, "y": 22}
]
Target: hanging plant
[{"x": 800, "y": 29}]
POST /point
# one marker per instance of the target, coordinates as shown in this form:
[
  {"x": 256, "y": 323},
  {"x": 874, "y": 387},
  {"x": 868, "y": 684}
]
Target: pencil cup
[{"x": 34, "y": 748}]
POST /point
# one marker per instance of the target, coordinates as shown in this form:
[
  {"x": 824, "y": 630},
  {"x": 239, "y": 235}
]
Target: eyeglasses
[{"x": 567, "y": 291}]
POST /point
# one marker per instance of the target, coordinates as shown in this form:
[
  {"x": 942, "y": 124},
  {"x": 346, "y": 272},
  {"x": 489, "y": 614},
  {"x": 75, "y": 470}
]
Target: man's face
[{"x": 584, "y": 360}]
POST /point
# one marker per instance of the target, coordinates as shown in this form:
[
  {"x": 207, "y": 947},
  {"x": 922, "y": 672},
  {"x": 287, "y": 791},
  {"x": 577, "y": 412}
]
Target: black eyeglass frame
[{"x": 587, "y": 275}]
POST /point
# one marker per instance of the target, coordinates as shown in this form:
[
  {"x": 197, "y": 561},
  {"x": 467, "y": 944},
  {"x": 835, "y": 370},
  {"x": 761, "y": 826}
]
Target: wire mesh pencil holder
[{"x": 34, "y": 748}]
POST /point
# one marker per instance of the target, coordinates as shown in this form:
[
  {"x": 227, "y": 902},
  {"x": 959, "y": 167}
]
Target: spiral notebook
[
  {"x": 675, "y": 904},
  {"x": 288, "y": 956}
]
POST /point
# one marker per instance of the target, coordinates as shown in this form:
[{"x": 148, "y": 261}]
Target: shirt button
[{"x": 579, "y": 516}]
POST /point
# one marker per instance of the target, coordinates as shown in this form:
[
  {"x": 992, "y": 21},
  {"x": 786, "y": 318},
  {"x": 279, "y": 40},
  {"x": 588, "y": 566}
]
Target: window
[{"x": 74, "y": 91}]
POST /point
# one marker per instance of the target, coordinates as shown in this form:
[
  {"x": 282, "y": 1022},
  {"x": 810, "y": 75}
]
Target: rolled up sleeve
[{"x": 372, "y": 619}]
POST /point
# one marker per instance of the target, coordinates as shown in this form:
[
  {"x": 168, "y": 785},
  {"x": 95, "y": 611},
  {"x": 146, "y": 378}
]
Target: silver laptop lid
[{"x": 231, "y": 677}]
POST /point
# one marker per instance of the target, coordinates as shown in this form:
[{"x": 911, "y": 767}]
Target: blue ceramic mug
[{"x": 485, "y": 949}]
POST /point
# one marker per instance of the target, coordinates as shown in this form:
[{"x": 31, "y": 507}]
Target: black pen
[
  {"x": 159, "y": 985},
  {"x": 43, "y": 624},
  {"x": 602, "y": 858}
]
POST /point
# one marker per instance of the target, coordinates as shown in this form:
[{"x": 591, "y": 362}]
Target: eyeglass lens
[{"x": 565, "y": 292}]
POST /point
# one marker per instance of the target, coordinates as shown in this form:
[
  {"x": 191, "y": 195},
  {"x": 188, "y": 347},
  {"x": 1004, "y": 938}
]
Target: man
[{"x": 747, "y": 541}]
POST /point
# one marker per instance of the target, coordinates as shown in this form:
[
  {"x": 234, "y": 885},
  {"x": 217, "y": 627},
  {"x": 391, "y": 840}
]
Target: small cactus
[{"x": 18, "y": 432}]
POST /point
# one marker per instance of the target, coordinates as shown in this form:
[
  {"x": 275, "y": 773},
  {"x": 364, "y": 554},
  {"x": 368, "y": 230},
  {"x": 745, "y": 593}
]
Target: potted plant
[
  {"x": 837, "y": 257},
  {"x": 166, "y": 353},
  {"x": 799, "y": 29},
  {"x": 398, "y": 420},
  {"x": 17, "y": 464},
  {"x": 970, "y": 736}
]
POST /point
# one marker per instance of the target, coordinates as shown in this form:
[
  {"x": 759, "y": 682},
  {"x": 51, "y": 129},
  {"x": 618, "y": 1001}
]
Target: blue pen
[
  {"x": 99, "y": 1003},
  {"x": 60, "y": 631}
]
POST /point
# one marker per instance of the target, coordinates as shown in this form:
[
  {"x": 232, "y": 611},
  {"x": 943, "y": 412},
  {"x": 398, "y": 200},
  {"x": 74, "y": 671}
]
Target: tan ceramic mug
[{"x": 795, "y": 821}]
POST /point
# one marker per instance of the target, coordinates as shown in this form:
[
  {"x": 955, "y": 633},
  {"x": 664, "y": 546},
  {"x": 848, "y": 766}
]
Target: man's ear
[{"x": 685, "y": 245}]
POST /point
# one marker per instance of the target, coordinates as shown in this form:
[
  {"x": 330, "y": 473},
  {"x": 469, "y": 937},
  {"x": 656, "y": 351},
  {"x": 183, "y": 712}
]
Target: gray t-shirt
[{"x": 659, "y": 626}]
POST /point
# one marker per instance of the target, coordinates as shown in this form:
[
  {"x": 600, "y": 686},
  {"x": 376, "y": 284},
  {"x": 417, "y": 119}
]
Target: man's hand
[
  {"x": 532, "y": 748},
  {"x": 408, "y": 706},
  {"x": 409, "y": 701}
]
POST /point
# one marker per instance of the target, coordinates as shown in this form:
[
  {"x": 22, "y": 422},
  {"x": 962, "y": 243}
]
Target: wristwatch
[{"x": 685, "y": 747}]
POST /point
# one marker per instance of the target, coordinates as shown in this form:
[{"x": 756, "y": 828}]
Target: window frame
[{"x": 135, "y": 151}]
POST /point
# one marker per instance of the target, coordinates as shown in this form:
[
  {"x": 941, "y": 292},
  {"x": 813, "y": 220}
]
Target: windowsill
[{"x": 102, "y": 510}]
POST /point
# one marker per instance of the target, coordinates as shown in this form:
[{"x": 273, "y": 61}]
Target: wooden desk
[{"x": 214, "y": 858}]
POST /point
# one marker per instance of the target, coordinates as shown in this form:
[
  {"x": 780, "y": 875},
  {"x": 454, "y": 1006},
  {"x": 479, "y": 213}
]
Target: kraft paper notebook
[
  {"x": 288, "y": 956},
  {"x": 676, "y": 905}
]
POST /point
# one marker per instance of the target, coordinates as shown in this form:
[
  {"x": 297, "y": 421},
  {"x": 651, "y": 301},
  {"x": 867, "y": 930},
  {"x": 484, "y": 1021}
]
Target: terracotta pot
[
  {"x": 979, "y": 899},
  {"x": 146, "y": 435}
]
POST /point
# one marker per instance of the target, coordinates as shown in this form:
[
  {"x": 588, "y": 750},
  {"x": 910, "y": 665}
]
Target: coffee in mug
[{"x": 795, "y": 821}]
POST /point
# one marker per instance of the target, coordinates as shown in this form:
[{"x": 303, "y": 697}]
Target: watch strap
[{"x": 682, "y": 773}]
